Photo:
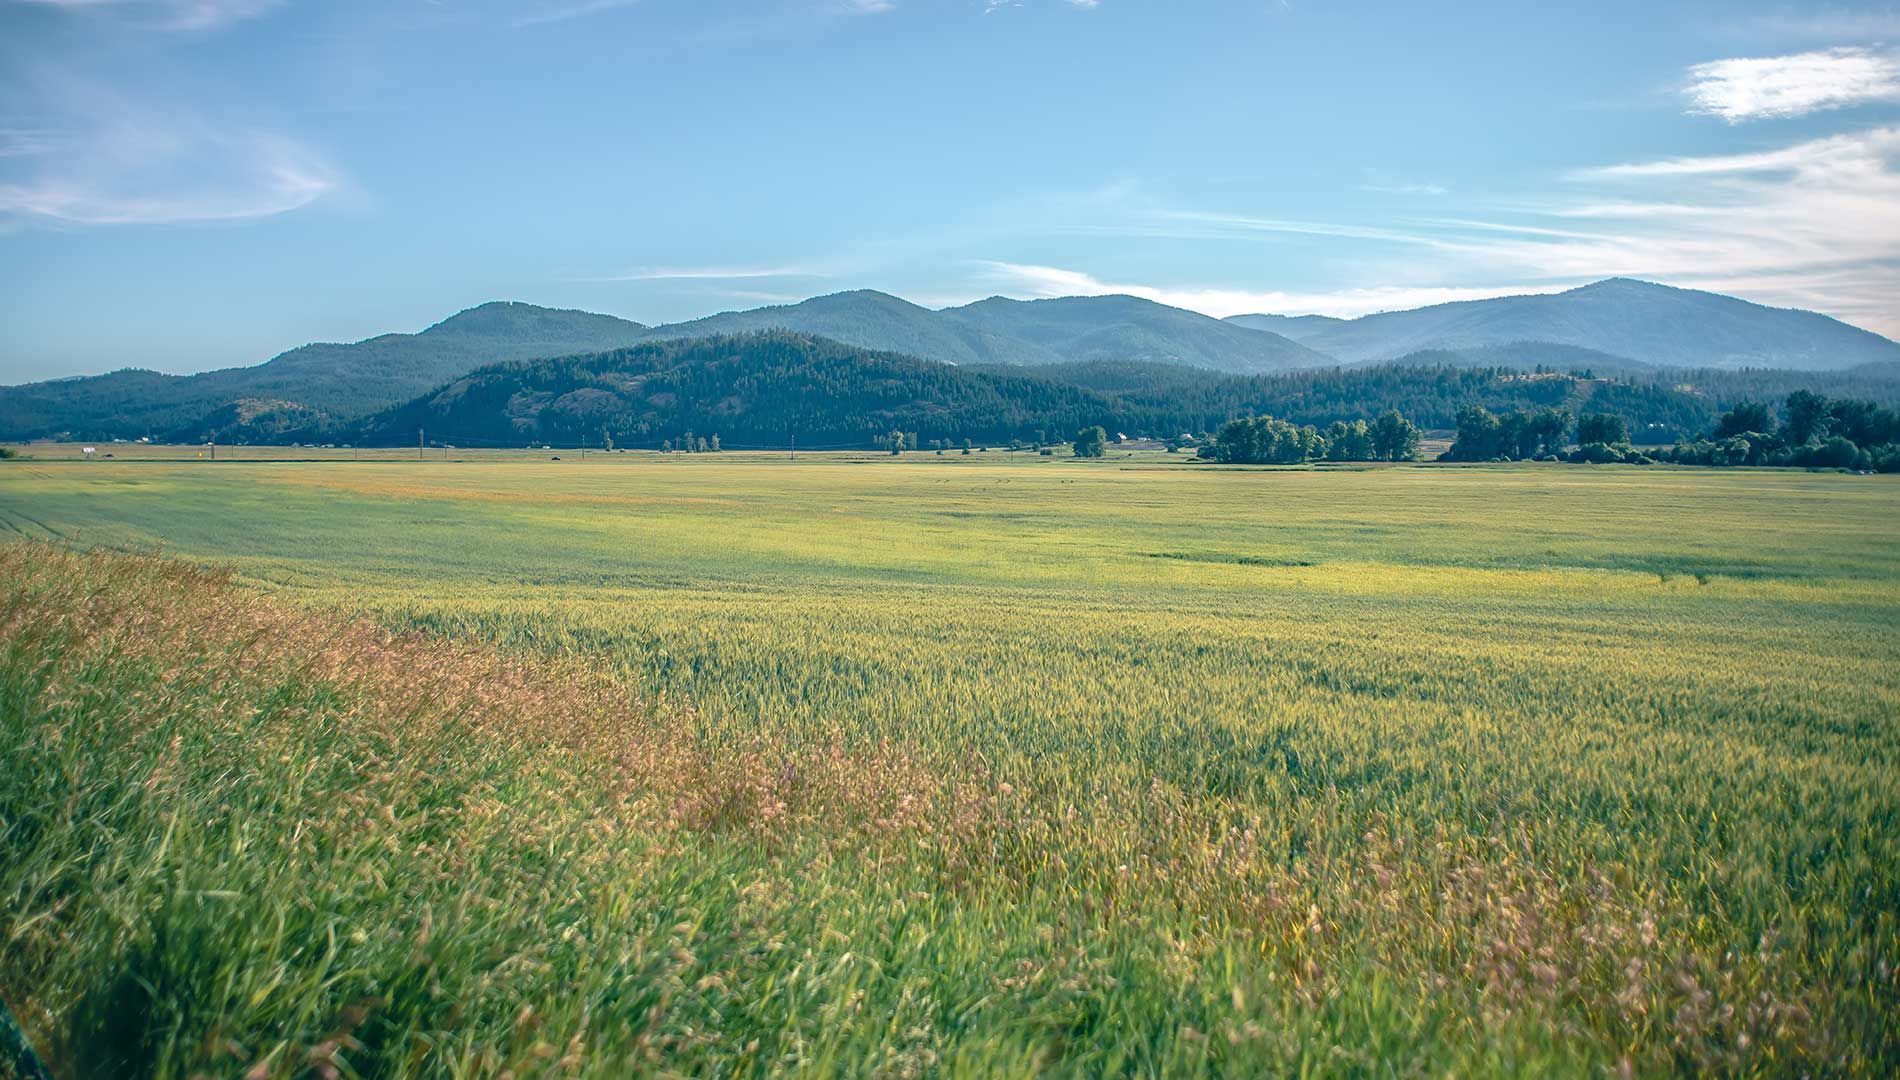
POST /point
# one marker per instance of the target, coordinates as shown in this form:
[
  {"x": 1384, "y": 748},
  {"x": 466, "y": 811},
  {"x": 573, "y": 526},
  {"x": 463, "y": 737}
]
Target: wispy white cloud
[
  {"x": 1849, "y": 152},
  {"x": 110, "y": 161},
  {"x": 544, "y": 12},
  {"x": 990, "y": 6},
  {"x": 1031, "y": 281},
  {"x": 1630, "y": 210},
  {"x": 710, "y": 273},
  {"x": 27, "y": 142},
  {"x": 1755, "y": 88},
  {"x": 1812, "y": 224},
  {"x": 1191, "y": 224},
  {"x": 1815, "y": 224},
  {"x": 259, "y": 175},
  {"x": 1404, "y": 189},
  {"x": 758, "y": 296},
  {"x": 165, "y": 14}
]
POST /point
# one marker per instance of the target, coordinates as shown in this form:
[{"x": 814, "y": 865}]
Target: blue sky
[{"x": 189, "y": 184}]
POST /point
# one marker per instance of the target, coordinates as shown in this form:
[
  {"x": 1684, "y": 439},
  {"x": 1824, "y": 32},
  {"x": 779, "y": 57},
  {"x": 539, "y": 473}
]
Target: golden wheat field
[{"x": 961, "y": 765}]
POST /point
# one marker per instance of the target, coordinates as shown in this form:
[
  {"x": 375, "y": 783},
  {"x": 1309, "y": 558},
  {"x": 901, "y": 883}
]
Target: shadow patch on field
[
  {"x": 1228, "y": 763},
  {"x": 1228, "y": 558},
  {"x": 1667, "y": 567}
]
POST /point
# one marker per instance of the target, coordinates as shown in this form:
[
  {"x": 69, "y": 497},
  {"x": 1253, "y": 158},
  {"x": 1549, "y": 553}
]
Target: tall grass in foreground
[{"x": 238, "y": 838}]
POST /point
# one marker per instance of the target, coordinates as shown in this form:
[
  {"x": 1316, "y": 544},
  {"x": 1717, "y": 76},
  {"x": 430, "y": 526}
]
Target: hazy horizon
[{"x": 464, "y": 309}]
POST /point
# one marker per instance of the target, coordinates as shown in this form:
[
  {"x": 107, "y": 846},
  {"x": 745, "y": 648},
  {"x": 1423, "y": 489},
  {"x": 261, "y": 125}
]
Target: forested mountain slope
[
  {"x": 324, "y": 382},
  {"x": 762, "y": 389}
]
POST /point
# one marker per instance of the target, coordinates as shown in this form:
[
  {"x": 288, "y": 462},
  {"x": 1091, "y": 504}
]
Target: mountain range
[
  {"x": 1636, "y": 321},
  {"x": 311, "y": 383},
  {"x": 873, "y": 320},
  {"x": 767, "y": 389},
  {"x": 1611, "y": 326},
  {"x": 1018, "y": 332},
  {"x": 1081, "y": 328}
]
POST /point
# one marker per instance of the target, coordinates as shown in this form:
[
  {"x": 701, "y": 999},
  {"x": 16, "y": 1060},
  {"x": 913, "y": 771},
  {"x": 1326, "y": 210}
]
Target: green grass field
[{"x": 959, "y": 765}]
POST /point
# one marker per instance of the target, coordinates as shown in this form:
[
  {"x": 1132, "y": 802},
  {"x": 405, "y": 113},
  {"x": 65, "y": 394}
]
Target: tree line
[
  {"x": 1813, "y": 430},
  {"x": 1266, "y": 440},
  {"x": 1660, "y": 406}
]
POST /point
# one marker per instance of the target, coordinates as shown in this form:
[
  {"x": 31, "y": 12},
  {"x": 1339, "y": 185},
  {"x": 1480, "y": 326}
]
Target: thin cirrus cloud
[
  {"x": 1200, "y": 225},
  {"x": 165, "y": 14},
  {"x": 1405, "y": 189},
  {"x": 1832, "y": 154},
  {"x": 990, "y": 6},
  {"x": 81, "y": 150},
  {"x": 709, "y": 273},
  {"x": 544, "y": 13},
  {"x": 107, "y": 162},
  {"x": 1814, "y": 224},
  {"x": 27, "y": 142},
  {"x": 1772, "y": 87},
  {"x": 558, "y": 11}
]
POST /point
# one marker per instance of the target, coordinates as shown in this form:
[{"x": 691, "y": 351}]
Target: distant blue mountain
[
  {"x": 1650, "y": 324},
  {"x": 322, "y": 381},
  {"x": 1293, "y": 326},
  {"x": 1612, "y": 326},
  {"x": 1130, "y": 328},
  {"x": 870, "y": 320}
]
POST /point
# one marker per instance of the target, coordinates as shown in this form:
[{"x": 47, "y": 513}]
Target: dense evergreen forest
[
  {"x": 764, "y": 389},
  {"x": 753, "y": 390},
  {"x": 1661, "y": 407}
]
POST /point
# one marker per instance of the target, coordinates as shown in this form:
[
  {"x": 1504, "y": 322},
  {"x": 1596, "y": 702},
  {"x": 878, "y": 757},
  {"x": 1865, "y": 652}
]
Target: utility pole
[
  {"x": 794, "y": 446},
  {"x": 418, "y": 444},
  {"x": 214, "y": 446}
]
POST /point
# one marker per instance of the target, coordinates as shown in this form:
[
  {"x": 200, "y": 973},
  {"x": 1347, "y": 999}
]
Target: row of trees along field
[
  {"x": 1264, "y": 440},
  {"x": 1815, "y": 431},
  {"x": 1517, "y": 435}
]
